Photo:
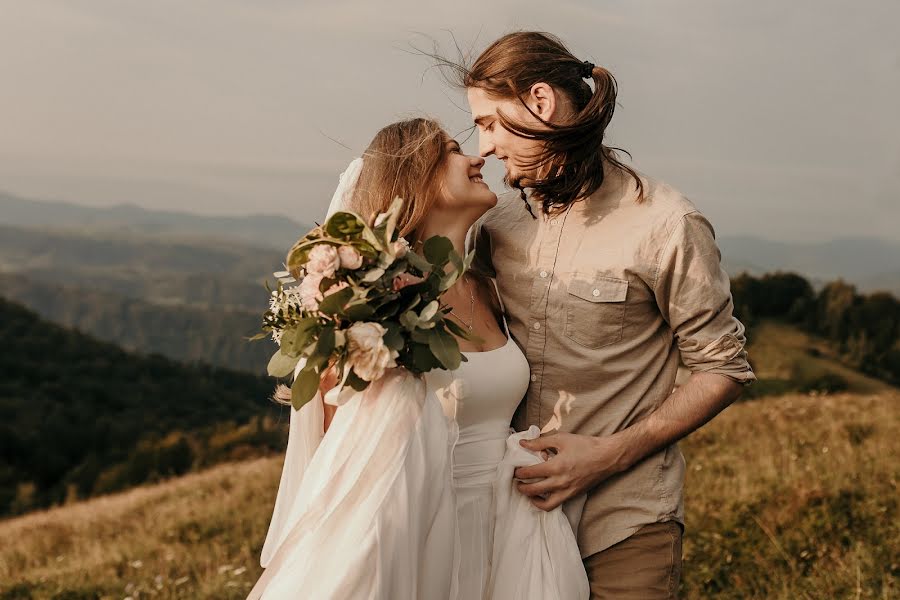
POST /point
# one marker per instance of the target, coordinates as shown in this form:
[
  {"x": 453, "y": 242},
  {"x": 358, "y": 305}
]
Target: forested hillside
[{"x": 80, "y": 417}]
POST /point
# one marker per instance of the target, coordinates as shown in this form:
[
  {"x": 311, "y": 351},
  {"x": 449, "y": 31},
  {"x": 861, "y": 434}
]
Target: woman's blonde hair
[{"x": 406, "y": 160}]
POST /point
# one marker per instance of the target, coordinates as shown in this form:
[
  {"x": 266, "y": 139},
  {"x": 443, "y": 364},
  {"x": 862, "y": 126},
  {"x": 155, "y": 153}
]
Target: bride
[{"x": 406, "y": 491}]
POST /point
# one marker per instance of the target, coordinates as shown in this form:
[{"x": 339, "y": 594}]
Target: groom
[{"x": 610, "y": 279}]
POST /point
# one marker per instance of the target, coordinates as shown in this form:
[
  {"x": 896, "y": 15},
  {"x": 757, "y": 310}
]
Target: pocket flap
[{"x": 600, "y": 289}]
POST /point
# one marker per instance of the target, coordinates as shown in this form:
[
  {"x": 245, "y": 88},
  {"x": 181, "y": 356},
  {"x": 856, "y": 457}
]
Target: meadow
[{"x": 787, "y": 497}]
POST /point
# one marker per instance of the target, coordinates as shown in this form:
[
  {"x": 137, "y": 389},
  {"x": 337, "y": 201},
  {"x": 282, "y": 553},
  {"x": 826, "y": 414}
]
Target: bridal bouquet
[{"x": 358, "y": 299}]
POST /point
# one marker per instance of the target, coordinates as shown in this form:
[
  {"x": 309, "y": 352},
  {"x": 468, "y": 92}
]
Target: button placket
[{"x": 548, "y": 250}]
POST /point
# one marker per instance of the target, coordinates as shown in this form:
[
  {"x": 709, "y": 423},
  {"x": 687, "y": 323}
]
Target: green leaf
[
  {"x": 334, "y": 302},
  {"x": 304, "y": 388},
  {"x": 359, "y": 312},
  {"x": 356, "y": 382},
  {"x": 422, "y": 358},
  {"x": 445, "y": 349},
  {"x": 409, "y": 320},
  {"x": 393, "y": 216},
  {"x": 456, "y": 328},
  {"x": 448, "y": 280},
  {"x": 437, "y": 250},
  {"x": 413, "y": 303},
  {"x": 429, "y": 311},
  {"x": 282, "y": 365},
  {"x": 373, "y": 275},
  {"x": 417, "y": 262},
  {"x": 344, "y": 224},
  {"x": 393, "y": 337},
  {"x": 325, "y": 343}
]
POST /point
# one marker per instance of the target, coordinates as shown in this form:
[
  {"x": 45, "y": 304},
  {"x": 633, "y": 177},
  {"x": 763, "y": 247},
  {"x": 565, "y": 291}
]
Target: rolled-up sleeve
[{"x": 694, "y": 296}]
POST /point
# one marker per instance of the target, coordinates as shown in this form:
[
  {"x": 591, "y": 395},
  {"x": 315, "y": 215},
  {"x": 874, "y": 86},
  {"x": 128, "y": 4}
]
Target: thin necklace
[{"x": 471, "y": 324}]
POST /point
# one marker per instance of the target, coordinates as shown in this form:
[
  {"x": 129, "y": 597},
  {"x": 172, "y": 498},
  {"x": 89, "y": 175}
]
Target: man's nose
[{"x": 485, "y": 145}]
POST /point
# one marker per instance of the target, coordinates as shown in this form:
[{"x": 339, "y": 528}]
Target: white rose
[
  {"x": 368, "y": 355},
  {"x": 323, "y": 259},
  {"x": 310, "y": 296},
  {"x": 350, "y": 258}
]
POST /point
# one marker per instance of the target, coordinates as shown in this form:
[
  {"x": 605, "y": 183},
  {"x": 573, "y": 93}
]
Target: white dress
[{"x": 410, "y": 495}]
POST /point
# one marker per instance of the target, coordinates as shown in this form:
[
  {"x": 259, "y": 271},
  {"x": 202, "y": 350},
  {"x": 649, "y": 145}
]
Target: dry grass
[
  {"x": 198, "y": 536},
  {"x": 790, "y": 497}
]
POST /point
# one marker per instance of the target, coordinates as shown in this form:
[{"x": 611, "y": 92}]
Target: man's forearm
[{"x": 689, "y": 407}]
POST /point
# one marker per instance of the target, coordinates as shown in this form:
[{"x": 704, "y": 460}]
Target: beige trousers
[{"x": 645, "y": 566}]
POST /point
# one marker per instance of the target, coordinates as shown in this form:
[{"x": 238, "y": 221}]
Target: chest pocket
[{"x": 595, "y": 311}]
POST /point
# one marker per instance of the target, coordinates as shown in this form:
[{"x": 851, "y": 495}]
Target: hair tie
[{"x": 587, "y": 70}]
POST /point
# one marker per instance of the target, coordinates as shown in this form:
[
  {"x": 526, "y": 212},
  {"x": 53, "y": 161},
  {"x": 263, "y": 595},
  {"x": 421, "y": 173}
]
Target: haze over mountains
[{"x": 870, "y": 263}]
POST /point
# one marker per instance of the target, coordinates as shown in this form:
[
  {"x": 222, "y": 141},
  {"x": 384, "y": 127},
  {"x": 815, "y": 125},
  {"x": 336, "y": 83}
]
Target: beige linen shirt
[{"x": 604, "y": 299}]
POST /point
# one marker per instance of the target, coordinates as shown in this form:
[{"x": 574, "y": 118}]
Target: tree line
[{"x": 864, "y": 328}]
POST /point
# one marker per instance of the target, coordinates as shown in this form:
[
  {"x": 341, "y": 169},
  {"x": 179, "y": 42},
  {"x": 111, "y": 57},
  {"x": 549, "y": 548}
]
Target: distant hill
[
  {"x": 211, "y": 334},
  {"x": 870, "y": 264},
  {"x": 80, "y": 417},
  {"x": 268, "y": 231},
  {"x": 223, "y": 275}
]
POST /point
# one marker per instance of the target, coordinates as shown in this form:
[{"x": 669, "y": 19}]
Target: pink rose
[
  {"x": 405, "y": 279},
  {"x": 367, "y": 353},
  {"x": 323, "y": 259},
  {"x": 310, "y": 296},
  {"x": 350, "y": 258}
]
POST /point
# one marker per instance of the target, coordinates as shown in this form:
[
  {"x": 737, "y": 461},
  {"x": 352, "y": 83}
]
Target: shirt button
[
  {"x": 537, "y": 326},
  {"x": 544, "y": 274},
  {"x": 595, "y": 293},
  {"x": 533, "y": 377}
]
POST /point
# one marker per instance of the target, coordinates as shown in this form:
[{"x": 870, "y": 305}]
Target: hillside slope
[
  {"x": 787, "y": 498},
  {"x": 80, "y": 417}
]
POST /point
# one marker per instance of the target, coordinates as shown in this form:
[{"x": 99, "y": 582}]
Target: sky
[{"x": 779, "y": 120}]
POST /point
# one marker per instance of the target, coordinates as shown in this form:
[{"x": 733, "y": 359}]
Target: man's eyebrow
[{"x": 479, "y": 120}]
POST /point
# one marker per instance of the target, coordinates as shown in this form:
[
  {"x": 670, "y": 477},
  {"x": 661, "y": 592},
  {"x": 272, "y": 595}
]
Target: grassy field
[{"x": 787, "y": 498}]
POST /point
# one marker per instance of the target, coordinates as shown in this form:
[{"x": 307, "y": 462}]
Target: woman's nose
[{"x": 477, "y": 161}]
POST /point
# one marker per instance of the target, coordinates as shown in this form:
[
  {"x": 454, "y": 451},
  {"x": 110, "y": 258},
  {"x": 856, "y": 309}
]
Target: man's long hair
[{"x": 570, "y": 162}]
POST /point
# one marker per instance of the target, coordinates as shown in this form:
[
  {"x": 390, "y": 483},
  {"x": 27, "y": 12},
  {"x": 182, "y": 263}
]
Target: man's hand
[
  {"x": 580, "y": 462},
  {"x": 584, "y": 461}
]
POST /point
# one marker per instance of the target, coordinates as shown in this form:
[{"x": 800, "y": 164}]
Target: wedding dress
[{"x": 411, "y": 495}]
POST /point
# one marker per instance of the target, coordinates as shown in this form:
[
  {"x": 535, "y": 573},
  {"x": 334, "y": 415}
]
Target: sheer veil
[{"x": 306, "y": 430}]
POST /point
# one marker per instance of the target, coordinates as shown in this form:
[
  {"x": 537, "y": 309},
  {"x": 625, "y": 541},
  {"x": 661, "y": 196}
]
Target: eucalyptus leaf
[
  {"x": 304, "y": 388},
  {"x": 325, "y": 343},
  {"x": 334, "y": 302},
  {"x": 373, "y": 275},
  {"x": 409, "y": 320},
  {"x": 359, "y": 312},
  {"x": 422, "y": 358},
  {"x": 417, "y": 262},
  {"x": 393, "y": 337},
  {"x": 282, "y": 365},
  {"x": 456, "y": 328},
  {"x": 445, "y": 349},
  {"x": 356, "y": 382},
  {"x": 429, "y": 311},
  {"x": 437, "y": 250}
]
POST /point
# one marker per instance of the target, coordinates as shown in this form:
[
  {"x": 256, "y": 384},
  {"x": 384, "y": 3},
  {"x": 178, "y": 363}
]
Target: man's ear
[{"x": 543, "y": 101}]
